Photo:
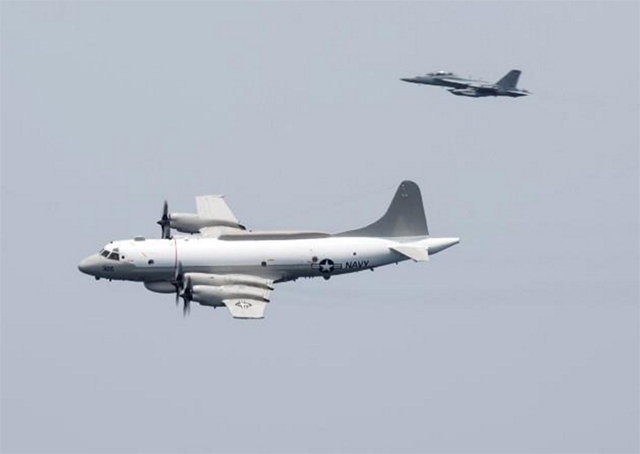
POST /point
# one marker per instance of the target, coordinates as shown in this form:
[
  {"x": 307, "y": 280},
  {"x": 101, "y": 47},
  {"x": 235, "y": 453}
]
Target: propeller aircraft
[{"x": 222, "y": 263}]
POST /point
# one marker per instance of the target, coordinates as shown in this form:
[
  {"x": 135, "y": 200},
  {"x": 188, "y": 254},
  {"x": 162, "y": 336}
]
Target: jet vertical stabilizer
[{"x": 510, "y": 80}]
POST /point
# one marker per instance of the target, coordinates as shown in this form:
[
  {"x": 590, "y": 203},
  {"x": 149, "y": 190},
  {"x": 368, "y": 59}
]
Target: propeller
[
  {"x": 178, "y": 281},
  {"x": 165, "y": 222},
  {"x": 187, "y": 296}
]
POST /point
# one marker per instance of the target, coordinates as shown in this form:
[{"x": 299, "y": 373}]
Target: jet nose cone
[{"x": 407, "y": 79}]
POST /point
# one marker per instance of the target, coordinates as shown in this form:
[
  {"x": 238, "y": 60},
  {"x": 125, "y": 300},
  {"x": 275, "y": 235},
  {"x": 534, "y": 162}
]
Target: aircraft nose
[
  {"x": 89, "y": 265},
  {"x": 408, "y": 79}
]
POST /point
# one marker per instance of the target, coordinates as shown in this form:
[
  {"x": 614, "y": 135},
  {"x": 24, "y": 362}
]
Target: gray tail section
[
  {"x": 404, "y": 217},
  {"x": 510, "y": 80}
]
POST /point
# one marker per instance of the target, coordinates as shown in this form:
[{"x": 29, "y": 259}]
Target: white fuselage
[{"x": 277, "y": 260}]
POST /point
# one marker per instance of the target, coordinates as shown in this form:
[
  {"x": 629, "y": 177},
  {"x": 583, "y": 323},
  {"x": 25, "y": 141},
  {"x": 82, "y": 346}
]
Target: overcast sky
[{"x": 523, "y": 338}]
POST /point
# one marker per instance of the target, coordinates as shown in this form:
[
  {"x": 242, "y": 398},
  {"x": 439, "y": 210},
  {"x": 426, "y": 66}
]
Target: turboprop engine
[
  {"x": 190, "y": 223},
  {"x": 212, "y": 289},
  {"x": 213, "y": 296},
  {"x": 227, "y": 279}
]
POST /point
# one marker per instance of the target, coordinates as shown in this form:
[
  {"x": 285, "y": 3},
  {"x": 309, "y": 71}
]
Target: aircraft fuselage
[
  {"x": 150, "y": 260},
  {"x": 461, "y": 86},
  {"x": 224, "y": 264}
]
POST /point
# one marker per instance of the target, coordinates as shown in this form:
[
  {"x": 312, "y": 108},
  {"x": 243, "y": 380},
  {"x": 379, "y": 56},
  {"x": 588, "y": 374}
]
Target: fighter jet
[
  {"x": 460, "y": 86},
  {"x": 223, "y": 264}
]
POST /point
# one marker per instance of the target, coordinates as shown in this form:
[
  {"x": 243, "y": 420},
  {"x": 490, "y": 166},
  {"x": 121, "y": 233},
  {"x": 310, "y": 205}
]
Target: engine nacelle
[
  {"x": 228, "y": 279},
  {"x": 213, "y": 296},
  {"x": 160, "y": 287}
]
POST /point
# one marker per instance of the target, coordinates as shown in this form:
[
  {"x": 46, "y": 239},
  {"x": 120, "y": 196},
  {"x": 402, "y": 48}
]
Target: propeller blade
[
  {"x": 166, "y": 232},
  {"x": 165, "y": 222},
  {"x": 178, "y": 275},
  {"x": 178, "y": 281},
  {"x": 187, "y": 293}
]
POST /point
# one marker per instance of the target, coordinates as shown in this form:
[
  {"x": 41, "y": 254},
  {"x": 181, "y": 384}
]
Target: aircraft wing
[
  {"x": 214, "y": 207},
  {"x": 245, "y": 295},
  {"x": 455, "y": 83},
  {"x": 245, "y": 308},
  {"x": 481, "y": 87}
]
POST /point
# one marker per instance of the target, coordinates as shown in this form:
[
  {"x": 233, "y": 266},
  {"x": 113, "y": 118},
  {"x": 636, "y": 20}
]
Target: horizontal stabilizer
[
  {"x": 415, "y": 253},
  {"x": 245, "y": 308}
]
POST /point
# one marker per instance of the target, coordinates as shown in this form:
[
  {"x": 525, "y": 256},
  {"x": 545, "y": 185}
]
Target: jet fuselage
[{"x": 461, "y": 86}]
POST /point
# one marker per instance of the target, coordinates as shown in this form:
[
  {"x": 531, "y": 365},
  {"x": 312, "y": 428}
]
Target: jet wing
[
  {"x": 245, "y": 308},
  {"x": 456, "y": 83},
  {"x": 481, "y": 87}
]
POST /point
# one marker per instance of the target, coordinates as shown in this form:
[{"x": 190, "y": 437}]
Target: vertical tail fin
[
  {"x": 404, "y": 218},
  {"x": 510, "y": 80}
]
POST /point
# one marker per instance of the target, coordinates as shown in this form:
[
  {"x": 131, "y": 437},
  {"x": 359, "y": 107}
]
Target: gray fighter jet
[{"x": 461, "y": 86}]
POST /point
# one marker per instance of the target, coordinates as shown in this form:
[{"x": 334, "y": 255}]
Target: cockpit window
[
  {"x": 114, "y": 256},
  {"x": 104, "y": 253}
]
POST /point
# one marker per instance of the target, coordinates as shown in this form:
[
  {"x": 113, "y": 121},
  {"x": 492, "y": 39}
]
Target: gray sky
[{"x": 524, "y": 338}]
